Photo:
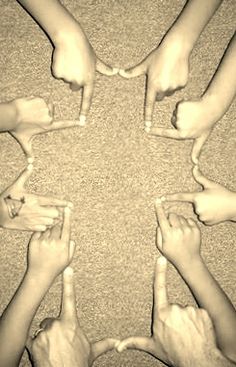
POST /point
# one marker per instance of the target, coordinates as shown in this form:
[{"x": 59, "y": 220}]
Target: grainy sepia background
[{"x": 110, "y": 169}]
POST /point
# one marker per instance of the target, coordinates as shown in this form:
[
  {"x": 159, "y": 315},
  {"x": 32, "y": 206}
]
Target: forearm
[
  {"x": 222, "y": 88},
  {"x": 16, "y": 319},
  {"x": 193, "y": 19},
  {"x": 212, "y": 298},
  {"x": 7, "y": 116},
  {"x": 212, "y": 358},
  {"x": 52, "y": 16}
]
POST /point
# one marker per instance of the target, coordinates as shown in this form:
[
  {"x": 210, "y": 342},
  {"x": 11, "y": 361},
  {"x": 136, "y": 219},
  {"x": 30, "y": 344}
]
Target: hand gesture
[
  {"x": 178, "y": 239},
  {"x": 51, "y": 252},
  {"x": 75, "y": 62},
  {"x": 192, "y": 120},
  {"x": 176, "y": 331},
  {"x": 27, "y": 212},
  {"x": 61, "y": 342},
  {"x": 167, "y": 69},
  {"x": 33, "y": 117},
  {"x": 215, "y": 204}
]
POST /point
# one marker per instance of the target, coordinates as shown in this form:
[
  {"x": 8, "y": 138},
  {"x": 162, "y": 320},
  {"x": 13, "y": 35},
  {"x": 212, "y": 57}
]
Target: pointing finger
[
  {"x": 198, "y": 176},
  {"x": 62, "y": 124},
  {"x": 22, "y": 178},
  {"x": 181, "y": 196},
  {"x": 86, "y": 99},
  {"x": 161, "y": 217},
  {"x": 105, "y": 69},
  {"x": 149, "y": 102},
  {"x": 197, "y": 146},
  {"x": 166, "y": 133},
  {"x": 68, "y": 305},
  {"x": 103, "y": 346},
  {"x": 160, "y": 291},
  {"x": 135, "y": 71}
]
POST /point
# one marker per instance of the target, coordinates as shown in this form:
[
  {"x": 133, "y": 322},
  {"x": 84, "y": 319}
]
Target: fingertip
[
  {"x": 30, "y": 167},
  {"x": 158, "y": 201},
  {"x": 82, "y": 120},
  {"x": 115, "y": 71},
  {"x": 67, "y": 210},
  {"x": 147, "y": 129},
  {"x": 148, "y": 123},
  {"x": 161, "y": 261},
  {"x": 122, "y": 73},
  {"x": 30, "y": 160},
  {"x": 70, "y": 205},
  {"x": 69, "y": 270}
]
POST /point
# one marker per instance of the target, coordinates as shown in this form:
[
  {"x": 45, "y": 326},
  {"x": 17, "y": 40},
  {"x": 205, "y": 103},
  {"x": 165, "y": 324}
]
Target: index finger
[
  {"x": 68, "y": 304},
  {"x": 86, "y": 99},
  {"x": 149, "y": 102},
  {"x": 160, "y": 290},
  {"x": 161, "y": 216},
  {"x": 65, "y": 230},
  {"x": 181, "y": 196}
]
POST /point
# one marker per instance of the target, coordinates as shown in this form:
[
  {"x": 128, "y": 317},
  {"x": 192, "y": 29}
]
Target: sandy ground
[{"x": 110, "y": 169}]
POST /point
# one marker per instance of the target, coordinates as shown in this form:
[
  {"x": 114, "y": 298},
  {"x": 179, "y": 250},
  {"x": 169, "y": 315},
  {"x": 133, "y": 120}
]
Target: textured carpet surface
[{"x": 110, "y": 169}]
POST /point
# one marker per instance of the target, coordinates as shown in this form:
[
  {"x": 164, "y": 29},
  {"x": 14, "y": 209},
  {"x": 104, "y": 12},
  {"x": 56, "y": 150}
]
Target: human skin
[
  {"x": 24, "y": 118},
  {"x": 179, "y": 239},
  {"x": 167, "y": 66},
  {"x": 61, "y": 342},
  {"x": 48, "y": 255},
  {"x": 33, "y": 212},
  {"x": 195, "y": 119},
  {"x": 73, "y": 59},
  {"x": 177, "y": 331},
  {"x": 213, "y": 205}
]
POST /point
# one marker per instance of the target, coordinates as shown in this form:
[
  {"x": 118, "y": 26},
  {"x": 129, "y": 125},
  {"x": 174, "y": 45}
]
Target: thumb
[
  {"x": 105, "y": 69},
  {"x": 103, "y": 346},
  {"x": 137, "y": 70},
  {"x": 72, "y": 246},
  {"x": 29, "y": 344},
  {"x": 21, "y": 180},
  {"x": 136, "y": 342},
  {"x": 197, "y": 146},
  {"x": 202, "y": 180}
]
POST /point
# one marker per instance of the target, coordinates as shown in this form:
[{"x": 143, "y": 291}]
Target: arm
[
  {"x": 193, "y": 19},
  {"x": 53, "y": 17},
  {"x": 181, "y": 336},
  {"x": 48, "y": 254},
  {"x": 167, "y": 66},
  {"x": 179, "y": 240},
  {"x": 74, "y": 59},
  {"x": 212, "y": 298}
]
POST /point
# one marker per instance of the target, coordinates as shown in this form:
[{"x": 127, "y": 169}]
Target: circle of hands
[{"x": 166, "y": 69}]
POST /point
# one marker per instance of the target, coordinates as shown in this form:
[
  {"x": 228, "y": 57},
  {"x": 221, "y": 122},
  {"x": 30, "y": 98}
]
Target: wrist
[
  {"x": 180, "y": 42},
  {"x": 193, "y": 265},
  {"x": 38, "y": 279}
]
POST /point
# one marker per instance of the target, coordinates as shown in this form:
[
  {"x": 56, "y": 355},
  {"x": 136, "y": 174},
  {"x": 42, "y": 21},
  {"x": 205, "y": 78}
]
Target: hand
[
  {"x": 52, "y": 251},
  {"x": 167, "y": 69},
  {"x": 61, "y": 342},
  {"x": 176, "y": 331},
  {"x": 33, "y": 117},
  {"x": 192, "y": 120},
  {"x": 215, "y": 204},
  {"x": 178, "y": 239},
  {"x": 27, "y": 212},
  {"x": 75, "y": 62}
]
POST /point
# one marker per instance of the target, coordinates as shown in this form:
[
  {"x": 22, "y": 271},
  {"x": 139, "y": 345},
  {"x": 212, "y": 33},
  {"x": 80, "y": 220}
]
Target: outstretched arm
[
  {"x": 49, "y": 253},
  {"x": 179, "y": 240}
]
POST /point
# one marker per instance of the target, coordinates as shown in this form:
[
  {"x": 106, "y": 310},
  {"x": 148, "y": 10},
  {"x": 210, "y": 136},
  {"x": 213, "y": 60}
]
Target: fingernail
[
  {"x": 117, "y": 344},
  {"x": 72, "y": 243},
  {"x": 67, "y": 210},
  {"x": 161, "y": 260},
  {"x": 30, "y": 167},
  {"x": 147, "y": 129},
  {"x": 158, "y": 201},
  {"x": 68, "y": 271},
  {"x": 163, "y": 198},
  {"x": 30, "y": 160},
  {"x": 148, "y": 123},
  {"x": 116, "y": 70},
  {"x": 82, "y": 120}
]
